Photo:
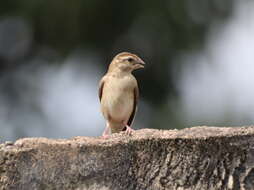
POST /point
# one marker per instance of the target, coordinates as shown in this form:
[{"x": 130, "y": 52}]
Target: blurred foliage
[{"x": 158, "y": 31}]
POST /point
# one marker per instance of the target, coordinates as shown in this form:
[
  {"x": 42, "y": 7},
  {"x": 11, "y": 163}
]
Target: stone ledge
[{"x": 191, "y": 158}]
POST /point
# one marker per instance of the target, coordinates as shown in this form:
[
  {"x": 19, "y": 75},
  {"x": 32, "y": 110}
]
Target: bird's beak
[{"x": 141, "y": 63}]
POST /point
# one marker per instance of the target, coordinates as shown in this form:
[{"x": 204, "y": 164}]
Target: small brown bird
[{"x": 118, "y": 93}]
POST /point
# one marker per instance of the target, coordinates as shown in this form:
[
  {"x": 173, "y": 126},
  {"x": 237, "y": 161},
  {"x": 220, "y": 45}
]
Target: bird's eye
[{"x": 130, "y": 59}]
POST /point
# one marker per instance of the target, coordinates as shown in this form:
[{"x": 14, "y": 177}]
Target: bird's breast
[{"x": 117, "y": 101}]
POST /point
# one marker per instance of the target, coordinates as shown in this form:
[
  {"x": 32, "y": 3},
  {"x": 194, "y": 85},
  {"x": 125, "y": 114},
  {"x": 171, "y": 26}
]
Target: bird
[{"x": 119, "y": 93}]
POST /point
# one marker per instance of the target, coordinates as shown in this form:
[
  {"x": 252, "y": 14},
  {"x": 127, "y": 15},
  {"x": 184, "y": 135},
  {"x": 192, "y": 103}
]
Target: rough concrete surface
[{"x": 199, "y": 158}]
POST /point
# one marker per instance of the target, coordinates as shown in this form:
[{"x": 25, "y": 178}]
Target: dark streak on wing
[
  {"x": 101, "y": 88},
  {"x": 135, "y": 99}
]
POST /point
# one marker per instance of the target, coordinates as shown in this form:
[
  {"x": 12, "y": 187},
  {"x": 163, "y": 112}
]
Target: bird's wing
[
  {"x": 101, "y": 85},
  {"x": 135, "y": 99}
]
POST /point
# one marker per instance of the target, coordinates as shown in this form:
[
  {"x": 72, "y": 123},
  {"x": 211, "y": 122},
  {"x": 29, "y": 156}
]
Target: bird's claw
[
  {"x": 128, "y": 130},
  {"x": 105, "y": 136}
]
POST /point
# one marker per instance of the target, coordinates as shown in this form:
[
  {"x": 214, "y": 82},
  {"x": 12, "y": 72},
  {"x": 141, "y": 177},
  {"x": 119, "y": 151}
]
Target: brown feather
[
  {"x": 135, "y": 102},
  {"x": 125, "y": 54},
  {"x": 101, "y": 85}
]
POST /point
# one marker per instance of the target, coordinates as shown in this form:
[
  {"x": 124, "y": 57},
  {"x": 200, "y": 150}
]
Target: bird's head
[{"x": 126, "y": 62}]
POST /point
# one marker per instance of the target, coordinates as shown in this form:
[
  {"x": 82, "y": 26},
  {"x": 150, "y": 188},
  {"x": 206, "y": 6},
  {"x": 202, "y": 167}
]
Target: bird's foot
[
  {"x": 128, "y": 130},
  {"x": 106, "y": 132},
  {"x": 105, "y": 136}
]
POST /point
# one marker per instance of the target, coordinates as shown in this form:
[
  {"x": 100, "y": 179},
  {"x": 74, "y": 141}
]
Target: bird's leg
[
  {"x": 106, "y": 132},
  {"x": 127, "y": 129}
]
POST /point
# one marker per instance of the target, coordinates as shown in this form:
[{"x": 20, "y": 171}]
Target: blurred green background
[{"x": 198, "y": 56}]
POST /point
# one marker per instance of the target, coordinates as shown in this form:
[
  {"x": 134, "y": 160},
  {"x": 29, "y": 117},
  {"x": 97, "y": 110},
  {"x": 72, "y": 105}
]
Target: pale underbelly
[{"x": 118, "y": 108}]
